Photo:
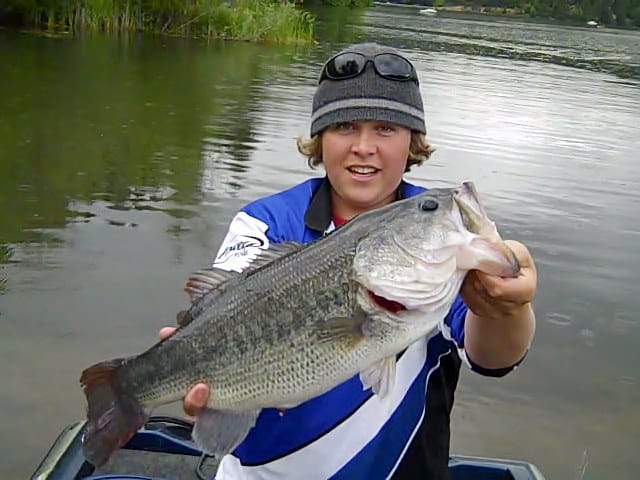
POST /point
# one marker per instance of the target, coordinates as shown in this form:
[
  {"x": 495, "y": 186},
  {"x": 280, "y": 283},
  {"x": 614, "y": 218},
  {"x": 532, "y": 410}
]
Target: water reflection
[{"x": 130, "y": 126}]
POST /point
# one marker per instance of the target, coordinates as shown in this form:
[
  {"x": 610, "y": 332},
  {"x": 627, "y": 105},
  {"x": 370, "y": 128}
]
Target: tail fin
[{"x": 113, "y": 415}]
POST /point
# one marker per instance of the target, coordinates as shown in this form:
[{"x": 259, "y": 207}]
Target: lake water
[{"x": 123, "y": 159}]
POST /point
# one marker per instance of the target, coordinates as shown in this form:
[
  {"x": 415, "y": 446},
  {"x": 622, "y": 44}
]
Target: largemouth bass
[{"x": 302, "y": 320}]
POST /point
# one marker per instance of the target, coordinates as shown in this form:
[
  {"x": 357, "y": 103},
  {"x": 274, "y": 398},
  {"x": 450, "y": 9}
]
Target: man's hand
[
  {"x": 500, "y": 323},
  {"x": 196, "y": 399},
  {"x": 495, "y": 297}
]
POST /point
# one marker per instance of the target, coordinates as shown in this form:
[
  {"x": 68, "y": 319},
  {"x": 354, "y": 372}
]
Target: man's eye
[
  {"x": 386, "y": 128},
  {"x": 345, "y": 126}
]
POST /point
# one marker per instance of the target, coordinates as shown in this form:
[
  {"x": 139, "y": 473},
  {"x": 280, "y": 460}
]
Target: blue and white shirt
[{"x": 346, "y": 433}]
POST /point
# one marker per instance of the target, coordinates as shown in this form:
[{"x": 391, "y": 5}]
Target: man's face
[{"x": 364, "y": 161}]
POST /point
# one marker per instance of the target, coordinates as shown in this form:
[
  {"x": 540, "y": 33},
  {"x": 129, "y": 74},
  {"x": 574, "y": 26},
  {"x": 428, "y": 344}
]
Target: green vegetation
[
  {"x": 257, "y": 20},
  {"x": 621, "y": 13},
  {"x": 348, "y": 3},
  {"x": 338, "y": 24}
]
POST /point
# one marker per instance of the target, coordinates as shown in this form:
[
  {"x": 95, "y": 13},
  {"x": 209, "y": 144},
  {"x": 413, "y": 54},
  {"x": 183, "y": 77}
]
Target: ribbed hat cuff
[{"x": 408, "y": 117}]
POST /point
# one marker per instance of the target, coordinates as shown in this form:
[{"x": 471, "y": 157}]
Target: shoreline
[{"x": 513, "y": 13}]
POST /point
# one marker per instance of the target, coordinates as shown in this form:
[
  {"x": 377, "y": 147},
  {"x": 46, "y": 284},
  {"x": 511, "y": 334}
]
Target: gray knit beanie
[{"x": 367, "y": 96}]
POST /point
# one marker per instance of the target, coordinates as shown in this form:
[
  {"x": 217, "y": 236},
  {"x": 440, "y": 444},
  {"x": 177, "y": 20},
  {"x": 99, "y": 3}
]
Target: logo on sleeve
[{"x": 240, "y": 248}]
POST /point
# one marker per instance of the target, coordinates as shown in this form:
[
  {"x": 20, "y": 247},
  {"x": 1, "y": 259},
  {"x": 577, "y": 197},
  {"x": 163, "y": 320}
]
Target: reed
[{"x": 281, "y": 21}]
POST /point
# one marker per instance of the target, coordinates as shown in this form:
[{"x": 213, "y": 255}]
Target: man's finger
[
  {"x": 196, "y": 399},
  {"x": 166, "y": 332},
  {"x": 517, "y": 290},
  {"x": 521, "y": 252}
]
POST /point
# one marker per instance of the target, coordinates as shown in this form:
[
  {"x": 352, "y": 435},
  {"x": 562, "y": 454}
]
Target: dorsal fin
[
  {"x": 274, "y": 252},
  {"x": 204, "y": 280}
]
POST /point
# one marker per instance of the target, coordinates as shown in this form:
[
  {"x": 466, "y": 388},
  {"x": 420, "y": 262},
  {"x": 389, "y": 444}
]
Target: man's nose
[{"x": 364, "y": 143}]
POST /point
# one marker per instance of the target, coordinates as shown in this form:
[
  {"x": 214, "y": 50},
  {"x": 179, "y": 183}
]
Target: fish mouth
[
  {"x": 476, "y": 221},
  {"x": 473, "y": 215}
]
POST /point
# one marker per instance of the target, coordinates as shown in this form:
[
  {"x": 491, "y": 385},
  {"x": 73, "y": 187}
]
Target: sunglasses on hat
[{"x": 351, "y": 64}]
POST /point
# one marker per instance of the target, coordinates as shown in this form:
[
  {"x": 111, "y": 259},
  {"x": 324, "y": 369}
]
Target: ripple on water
[
  {"x": 624, "y": 322},
  {"x": 628, "y": 380},
  {"x": 588, "y": 336},
  {"x": 558, "y": 319}
]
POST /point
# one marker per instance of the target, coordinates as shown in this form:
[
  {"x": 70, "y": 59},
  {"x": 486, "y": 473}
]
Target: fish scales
[{"x": 240, "y": 348}]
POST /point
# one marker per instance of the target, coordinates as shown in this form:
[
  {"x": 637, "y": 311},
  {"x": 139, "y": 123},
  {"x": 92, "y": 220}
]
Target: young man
[{"x": 367, "y": 129}]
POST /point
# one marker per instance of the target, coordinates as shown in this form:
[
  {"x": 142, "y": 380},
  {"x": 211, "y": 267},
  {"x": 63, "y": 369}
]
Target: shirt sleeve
[
  {"x": 245, "y": 239},
  {"x": 453, "y": 330}
]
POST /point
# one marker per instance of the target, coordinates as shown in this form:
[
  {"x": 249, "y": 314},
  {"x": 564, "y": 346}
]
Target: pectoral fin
[
  {"x": 350, "y": 329},
  {"x": 380, "y": 376},
  {"x": 219, "y": 432}
]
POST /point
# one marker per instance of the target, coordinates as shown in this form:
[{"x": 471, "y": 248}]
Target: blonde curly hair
[{"x": 419, "y": 150}]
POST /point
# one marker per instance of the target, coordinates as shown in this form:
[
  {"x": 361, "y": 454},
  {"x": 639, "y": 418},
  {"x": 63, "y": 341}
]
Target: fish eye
[{"x": 429, "y": 205}]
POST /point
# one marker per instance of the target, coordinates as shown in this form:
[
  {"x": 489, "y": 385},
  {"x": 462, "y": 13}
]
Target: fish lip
[
  {"x": 469, "y": 215},
  {"x": 513, "y": 259},
  {"x": 473, "y": 215},
  {"x": 475, "y": 220},
  {"x": 468, "y": 193}
]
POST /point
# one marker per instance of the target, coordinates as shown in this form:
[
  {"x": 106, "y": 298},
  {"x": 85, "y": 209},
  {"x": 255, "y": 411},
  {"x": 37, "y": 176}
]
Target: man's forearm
[{"x": 499, "y": 342}]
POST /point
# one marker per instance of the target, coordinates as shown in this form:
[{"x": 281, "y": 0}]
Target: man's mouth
[{"x": 362, "y": 170}]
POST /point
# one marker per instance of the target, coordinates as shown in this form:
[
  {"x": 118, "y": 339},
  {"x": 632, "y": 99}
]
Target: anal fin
[
  {"x": 218, "y": 432},
  {"x": 380, "y": 376}
]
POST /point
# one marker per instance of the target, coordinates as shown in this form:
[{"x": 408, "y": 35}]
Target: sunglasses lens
[
  {"x": 393, "y": 66},
  {"x": 345, "y": 65},
  {"x": 351, "y": 64}
]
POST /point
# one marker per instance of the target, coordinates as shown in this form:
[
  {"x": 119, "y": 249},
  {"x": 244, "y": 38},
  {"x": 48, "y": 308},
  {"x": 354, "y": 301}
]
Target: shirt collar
[{"x": 318, "y": 216}]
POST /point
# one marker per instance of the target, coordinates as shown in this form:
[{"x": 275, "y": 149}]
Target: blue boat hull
[{"x": 163, "y": 450}]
